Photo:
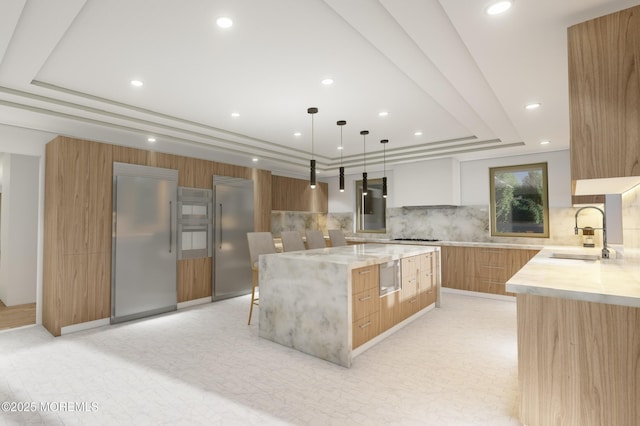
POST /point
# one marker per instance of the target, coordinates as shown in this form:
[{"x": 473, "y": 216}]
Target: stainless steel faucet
[{"x": 605, "y": 250}]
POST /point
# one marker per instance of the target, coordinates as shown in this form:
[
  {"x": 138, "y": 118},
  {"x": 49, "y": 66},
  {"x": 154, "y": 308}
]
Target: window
[
  {"x": 519, "y": 201},
  {"x": 371, "y": 208}
]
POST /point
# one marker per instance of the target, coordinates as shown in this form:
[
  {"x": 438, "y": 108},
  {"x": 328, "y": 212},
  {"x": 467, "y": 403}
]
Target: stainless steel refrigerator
[
  {"x": 144, "y": 262},
  {"x": 233, "y": 218}
]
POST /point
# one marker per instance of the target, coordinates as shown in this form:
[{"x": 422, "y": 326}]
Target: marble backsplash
[{"x": 461, "y": 223}]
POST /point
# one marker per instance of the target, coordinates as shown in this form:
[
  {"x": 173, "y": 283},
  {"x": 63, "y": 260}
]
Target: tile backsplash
[{"x": 454, "y": 223}]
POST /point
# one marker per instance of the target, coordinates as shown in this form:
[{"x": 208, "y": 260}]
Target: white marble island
[
  {"x": 313, "y": 300},
  {"x": 578, "y": 340}
]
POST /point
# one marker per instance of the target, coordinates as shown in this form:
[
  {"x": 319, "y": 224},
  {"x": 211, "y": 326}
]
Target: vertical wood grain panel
[
  {"x": 74, "y": 217},
  {"x": 74, "y": 289},
  {"x": 291, "y": 194},
  {"x": 194, "y": 279},
  {"x": 604, "y": 93},
  {"x": 100, "y": 197},
  {"x": 578, "y": 362},
  {"x": 123, "y": 154},
  {"x": 262, "y": 200},
  {"x": 99, "y": 286}
]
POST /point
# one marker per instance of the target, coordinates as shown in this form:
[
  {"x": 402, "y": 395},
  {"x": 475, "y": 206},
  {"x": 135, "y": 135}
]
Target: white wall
[
  {"x": 340, "y": 202},
  {"x": 474, "y": 177},
  {"x": 426, "y": 183},
  {"x": 19, "y": 229}
]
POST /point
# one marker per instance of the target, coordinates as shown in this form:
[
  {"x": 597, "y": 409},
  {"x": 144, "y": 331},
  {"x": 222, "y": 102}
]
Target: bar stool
[
  {"x": 336, "y": 236},
  {"x": 259, "y": 243},
  {"x": 291, "y": 241},
  {"x": 315, "y": 239}
]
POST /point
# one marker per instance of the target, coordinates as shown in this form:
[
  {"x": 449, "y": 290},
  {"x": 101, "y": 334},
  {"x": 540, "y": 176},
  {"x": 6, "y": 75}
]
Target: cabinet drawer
[
  {"x": 409, "y": 307},
  {"x": 365, "y": 278},
  {"x": 492, "y": 272},
  {"x": 365, "y": 303},
  {"x": 491, "y": 256},
  {"x": 365, "y": 329}
]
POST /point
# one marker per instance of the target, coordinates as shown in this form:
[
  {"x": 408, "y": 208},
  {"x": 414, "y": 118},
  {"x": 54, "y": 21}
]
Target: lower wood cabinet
[
  {"x": 365, "y": 304},
  {"x": 365, "y": 329},
  {"x": 482, "y": 269},
  {"x": 419, "y": 290}
]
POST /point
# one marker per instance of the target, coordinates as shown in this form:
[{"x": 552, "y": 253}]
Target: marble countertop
[
  {"x": 358, "y": 255},
  {"x": 447, "y": 243},
  {"x": 611, "y": 281}
]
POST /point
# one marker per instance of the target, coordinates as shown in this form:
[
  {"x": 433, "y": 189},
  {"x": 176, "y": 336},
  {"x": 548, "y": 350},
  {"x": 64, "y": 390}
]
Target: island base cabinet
[
  {"x": 578, "y": 362},
  {"x": 365, "y": 329}
]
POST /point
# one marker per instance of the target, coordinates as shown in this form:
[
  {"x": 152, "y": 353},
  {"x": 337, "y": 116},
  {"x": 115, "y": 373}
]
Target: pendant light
[
  {"x": 384, "y": 143},
  {"x": 365, "y": 183},
  {"x": 341, "y": 123},
  {"x": 312, "y": 178}
]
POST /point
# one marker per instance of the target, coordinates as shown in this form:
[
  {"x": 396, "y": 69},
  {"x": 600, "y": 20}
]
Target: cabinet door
[
  {"x": 365, "y": 278},
  {"x": 427, "y": 280},
  {"x": 456, "y": 266},
  {"x": 389, "y": 310},
  {"x": 409, "y": 292},
  {"x": 604, "y": 96}
]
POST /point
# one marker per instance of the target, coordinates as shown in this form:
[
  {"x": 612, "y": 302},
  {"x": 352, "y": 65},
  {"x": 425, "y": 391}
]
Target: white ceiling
[{"x": 441, "y": 67}]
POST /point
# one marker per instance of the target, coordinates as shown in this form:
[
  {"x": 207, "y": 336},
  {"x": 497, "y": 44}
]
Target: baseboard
[
  {"x": 479, "y": 294},
  {"x": 84, "y": 326},
  {"x": 194, "y": 302}
]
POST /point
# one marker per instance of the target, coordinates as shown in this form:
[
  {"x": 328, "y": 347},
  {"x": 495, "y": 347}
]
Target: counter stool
[
  {"x": 291, "y": 241},
  {"x": 336, "y": 236},
  {"x": 259, "y": 243},
  {"x": 315, "y": 239}
]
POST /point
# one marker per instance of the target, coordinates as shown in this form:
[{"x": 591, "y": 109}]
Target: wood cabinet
[
  {"x": 427, "y": 284},
  {"x": 410, "y": 270},
  {"x": 289, "y": 194},
  {"x": 365, "y": 304},
  {"x": 604, "y": 96},
  {"x": 78, "y": 220},
  {"x": 482, "y": 269}
]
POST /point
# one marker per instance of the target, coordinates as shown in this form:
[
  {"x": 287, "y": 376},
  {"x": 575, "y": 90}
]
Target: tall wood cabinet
[
  {"x": 78, "y": 218},
  {"x": 290, "y": 194},
  {"x": 604, "y": 94}
]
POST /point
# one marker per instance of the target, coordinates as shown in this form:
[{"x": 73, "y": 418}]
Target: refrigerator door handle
[
  {"x": 170, "y": 225},
  {"x": 220, "y": 227}
]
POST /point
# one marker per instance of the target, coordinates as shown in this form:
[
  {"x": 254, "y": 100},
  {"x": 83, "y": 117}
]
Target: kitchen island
[
  {"x": 328, "y": 302},
  {"x": 578, "y": 339}
]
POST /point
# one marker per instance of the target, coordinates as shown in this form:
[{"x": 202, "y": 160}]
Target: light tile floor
[{"x": 454, "y": 366}]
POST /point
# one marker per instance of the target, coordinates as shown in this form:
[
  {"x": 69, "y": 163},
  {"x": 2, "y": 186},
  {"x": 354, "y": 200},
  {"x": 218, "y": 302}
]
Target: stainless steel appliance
[
  {"x": 195, "y": 222},
  {"x": 143, "y": 275},
  {"x": 233, "y": 218},
  {"x": 389, "y": 277}
]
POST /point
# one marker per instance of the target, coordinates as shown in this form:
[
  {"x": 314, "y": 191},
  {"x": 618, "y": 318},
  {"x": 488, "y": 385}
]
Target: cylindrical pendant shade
[
  {"x": 312, "y": 178},
  {"x": 365, "y": 184},
  {"x": 341, "y": 179},
  {"x": 384, "y": 187}
]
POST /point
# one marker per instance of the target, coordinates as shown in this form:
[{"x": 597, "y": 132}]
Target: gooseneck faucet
[{"x": 605, "y": 250}]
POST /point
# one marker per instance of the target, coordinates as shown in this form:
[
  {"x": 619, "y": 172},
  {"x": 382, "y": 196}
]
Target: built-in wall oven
[{"x": 389, "y": 277}]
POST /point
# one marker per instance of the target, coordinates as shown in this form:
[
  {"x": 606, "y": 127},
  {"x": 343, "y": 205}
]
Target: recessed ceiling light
[
  {"x": 255, "y": 160},
  {"x": 136, "y": 83},
  {"x": 340, "y": 148},
  {"x": 327, "y": 81},
  {"x": 533, "y": 105},
  {"x": 545, "y": 142},
  {"x": 499, "y": 7},
  {"x": 383, "y": 113},
  {"x": 297, "y": 134},
  {"x": 224, "y": 22},
  {"x": 417, "y": 134},
  {"x": 151, "y": 139},
  {"x": 235, "y": 114}
]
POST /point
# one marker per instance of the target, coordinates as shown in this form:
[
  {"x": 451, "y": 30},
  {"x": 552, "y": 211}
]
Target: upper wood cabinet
[
  {"x": 604, "y": 92},
  {"x": 289, "y": 194}
]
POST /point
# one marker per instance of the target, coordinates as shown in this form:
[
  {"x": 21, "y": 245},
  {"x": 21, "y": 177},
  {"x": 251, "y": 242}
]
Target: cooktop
[{"x": 414, "y": 239}]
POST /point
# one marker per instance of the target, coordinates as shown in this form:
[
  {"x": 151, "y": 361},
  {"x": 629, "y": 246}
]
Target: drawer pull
[
  {"x": 362, "y": 299},
  {"x": 491, "y": 251},
  {"x": 493, "y": 267},
  {"x": 368, "y": 271},
  {"x": 414, "y": 300},
  {"x": 365, "y": 325}
]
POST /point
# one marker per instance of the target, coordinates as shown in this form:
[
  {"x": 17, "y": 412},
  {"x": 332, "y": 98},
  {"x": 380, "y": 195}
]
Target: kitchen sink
[{"x": 575, "y": 256}]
